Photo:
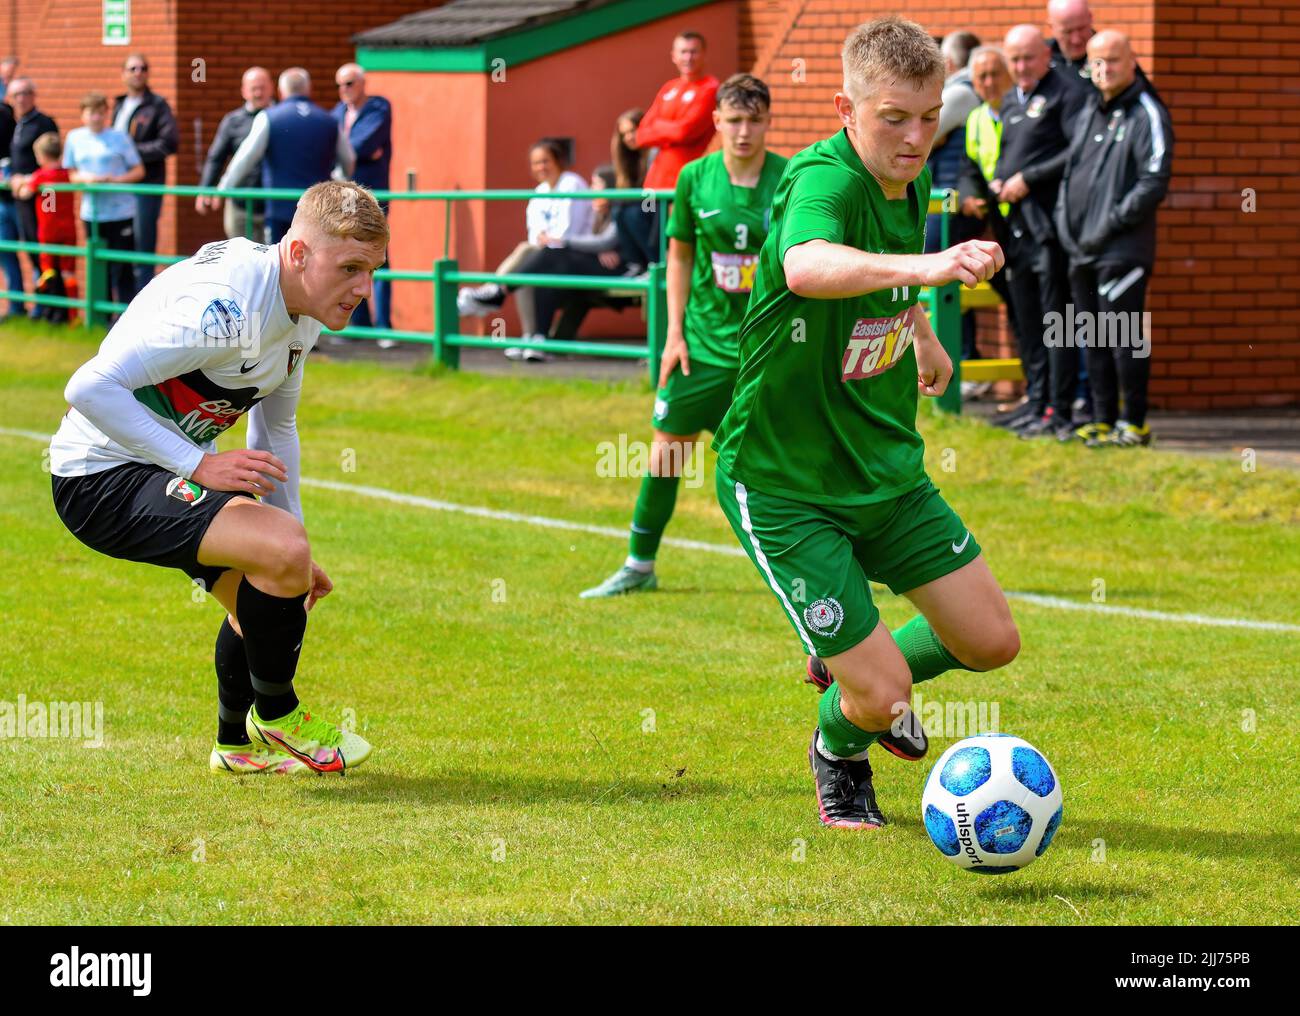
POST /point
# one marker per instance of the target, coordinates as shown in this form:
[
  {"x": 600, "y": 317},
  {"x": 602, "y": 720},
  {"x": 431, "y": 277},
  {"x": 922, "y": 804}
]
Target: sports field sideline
[{"x": 658, "y": 774}]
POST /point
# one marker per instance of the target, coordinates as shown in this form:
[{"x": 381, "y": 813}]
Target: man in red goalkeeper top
[{"x": 680, "y": 120}]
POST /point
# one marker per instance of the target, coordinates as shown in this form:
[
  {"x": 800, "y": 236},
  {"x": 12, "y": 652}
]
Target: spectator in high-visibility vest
[{"x": 991, "y": 80}]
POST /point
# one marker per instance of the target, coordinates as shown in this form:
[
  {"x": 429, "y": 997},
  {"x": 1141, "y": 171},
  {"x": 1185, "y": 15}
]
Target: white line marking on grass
[
  {"x": 731, "y": 550},
  {"x": 1153, "y": 615}
]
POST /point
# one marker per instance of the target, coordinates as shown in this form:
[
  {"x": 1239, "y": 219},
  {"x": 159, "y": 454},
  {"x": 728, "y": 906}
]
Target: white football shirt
[{"x": 207, "y": 341}]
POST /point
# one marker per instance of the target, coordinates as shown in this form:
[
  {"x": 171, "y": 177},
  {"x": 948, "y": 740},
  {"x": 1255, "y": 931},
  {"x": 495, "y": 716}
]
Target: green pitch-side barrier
[{"x": 446, "y": 340}]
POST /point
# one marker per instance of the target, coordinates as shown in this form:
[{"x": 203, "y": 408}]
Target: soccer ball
[{"x": 992, "y": 804}]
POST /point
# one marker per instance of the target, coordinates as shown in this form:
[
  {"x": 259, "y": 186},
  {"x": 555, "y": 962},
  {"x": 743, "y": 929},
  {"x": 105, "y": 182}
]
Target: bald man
[
  {"x": 256, "y": 89},
  {"x": 298, "y": 144},
  {"x": 1115, "y": 177},
  {"x": 1038, "y": 116},
  {"x": 1071, "y": 25}
]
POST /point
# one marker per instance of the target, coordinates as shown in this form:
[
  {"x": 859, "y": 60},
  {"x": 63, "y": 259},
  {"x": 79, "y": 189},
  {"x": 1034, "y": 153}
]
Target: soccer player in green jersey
[
  {"x": 719, "y": 221},
  {"x": 820, "y": 466}
]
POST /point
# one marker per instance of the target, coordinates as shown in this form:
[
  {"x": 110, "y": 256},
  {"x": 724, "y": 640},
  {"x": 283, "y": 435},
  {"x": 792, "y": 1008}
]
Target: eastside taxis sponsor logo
[
  {"x": 734, "y": 273},
  {"x": 876, "y": 344},
  {"x": 185, "y": 490}
]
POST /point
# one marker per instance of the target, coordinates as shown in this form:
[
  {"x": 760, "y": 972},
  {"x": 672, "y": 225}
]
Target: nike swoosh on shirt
[
  {"x": 244, "y": 368},
  {"x": 957, "y": 548},
  {"x": 707, "y": 215}
]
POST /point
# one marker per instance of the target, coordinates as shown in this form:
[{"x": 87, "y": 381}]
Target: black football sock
[
  {"x": 234, "y": 687},
  {"x": 273, "y": 629}
]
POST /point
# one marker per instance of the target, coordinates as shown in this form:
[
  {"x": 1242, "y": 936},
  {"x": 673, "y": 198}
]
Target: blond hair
[
  {"x": 887, "y": 50},
  {"x": 48, "y": 144},
  {"x": 343, "y": 209}
]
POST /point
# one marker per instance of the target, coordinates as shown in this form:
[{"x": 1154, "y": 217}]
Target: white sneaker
[
  {"x": 536, "y": 355},
  {"x": 514, "y": 353},
  {"x": 479, "y": 301},
  {"x": 387, "y": 343}
]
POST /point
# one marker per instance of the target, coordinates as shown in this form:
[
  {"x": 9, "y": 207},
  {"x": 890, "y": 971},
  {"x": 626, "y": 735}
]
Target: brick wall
[
  {"x": 1225, "y": 305},
  {"x": 1225, "y": 294},
  {"x": 197, "y": 50}
]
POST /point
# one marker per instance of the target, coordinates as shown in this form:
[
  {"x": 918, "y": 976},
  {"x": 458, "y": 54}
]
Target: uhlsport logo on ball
[{"x": 992, "y": 804}]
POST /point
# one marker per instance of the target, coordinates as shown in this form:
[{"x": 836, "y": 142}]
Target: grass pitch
[{"x": 544, "y": 759}]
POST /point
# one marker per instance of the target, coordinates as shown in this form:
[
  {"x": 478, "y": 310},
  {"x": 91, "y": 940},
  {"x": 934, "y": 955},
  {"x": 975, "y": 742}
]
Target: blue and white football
[{"x": 992, "y": 804}]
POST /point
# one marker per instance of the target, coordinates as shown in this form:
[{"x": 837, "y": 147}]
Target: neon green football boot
[
  {"x": 253, "y": 760},
  {"x": 311, "y": 740}
]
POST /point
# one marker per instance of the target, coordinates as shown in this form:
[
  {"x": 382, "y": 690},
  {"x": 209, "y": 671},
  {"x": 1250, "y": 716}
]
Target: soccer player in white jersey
[{"x": 137, "y": 474}]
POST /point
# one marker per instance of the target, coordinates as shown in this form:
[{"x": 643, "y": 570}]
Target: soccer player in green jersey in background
[
  {"x": 820, "y": 466},
  {"x": 721, "y": 213}
]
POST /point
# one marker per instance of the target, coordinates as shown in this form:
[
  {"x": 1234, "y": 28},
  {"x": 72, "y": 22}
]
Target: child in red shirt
[{"x": 55, "y": 222}]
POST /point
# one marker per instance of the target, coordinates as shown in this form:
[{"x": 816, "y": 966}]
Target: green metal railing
[{"x": 446, "y": 340}]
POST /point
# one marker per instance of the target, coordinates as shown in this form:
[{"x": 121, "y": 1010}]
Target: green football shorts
[
  {"x": 688, "y": 405},
  {"x": 820, "y": 559}
]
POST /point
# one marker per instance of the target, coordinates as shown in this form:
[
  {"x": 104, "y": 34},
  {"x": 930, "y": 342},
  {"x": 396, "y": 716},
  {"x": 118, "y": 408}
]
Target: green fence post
[
  {"x": 446, "y": 319},
  {"x": 94, "y": 280},
  {"x": 947, "y": 326},
  {"x": 656, "y": 319}
]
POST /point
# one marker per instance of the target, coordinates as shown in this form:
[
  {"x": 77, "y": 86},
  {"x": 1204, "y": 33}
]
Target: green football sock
[
  {"x": 840, "y": 736},
  {"x": 926, "y": 656},
  {"x": 654, "y": 507}
]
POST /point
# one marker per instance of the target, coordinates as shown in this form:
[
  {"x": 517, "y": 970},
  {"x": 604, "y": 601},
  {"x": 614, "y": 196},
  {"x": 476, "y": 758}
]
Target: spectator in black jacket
[
  {"x": 13, "y": 272},
  {"x": 148, "y": 121},
  {"x": 1038, "y": 117},
  {"x": 1116, "y": 175},
  {"x": 1071, "y": 25},
  {"x": 256, "y": 89},
  {"x": 29, "y": 124}
]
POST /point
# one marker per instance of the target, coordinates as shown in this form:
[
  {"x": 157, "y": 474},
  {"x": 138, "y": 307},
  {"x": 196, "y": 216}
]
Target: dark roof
[{"x": 468, "y": 22}]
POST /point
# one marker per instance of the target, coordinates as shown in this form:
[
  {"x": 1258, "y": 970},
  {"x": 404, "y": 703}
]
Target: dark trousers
[
  {"x": 117, "y": 281},
  {"x": 13, "y": 272},
  {"x": 638, "y": 234},
  {"x": 382, "y": 298},
  {"x": 1115, "y": 369},
  {"x": 1038, "y": 280},
  {"x": 147, "y": 209},
  {"x": 573, "y": 302},
  {"x": 276, "y": 228}
]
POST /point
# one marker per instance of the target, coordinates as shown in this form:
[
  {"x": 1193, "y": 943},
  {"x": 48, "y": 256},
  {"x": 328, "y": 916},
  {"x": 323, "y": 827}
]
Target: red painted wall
[{"x": 577, "y": 93}]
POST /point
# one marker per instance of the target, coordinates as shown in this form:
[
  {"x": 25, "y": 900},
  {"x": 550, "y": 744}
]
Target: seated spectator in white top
[{"x": 548, "y": 221}]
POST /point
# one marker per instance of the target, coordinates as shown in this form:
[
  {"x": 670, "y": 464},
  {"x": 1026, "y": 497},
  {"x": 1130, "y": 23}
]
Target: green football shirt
[
  {"x": 825, "y": 404},
  {"x": 727, "y": 224}
]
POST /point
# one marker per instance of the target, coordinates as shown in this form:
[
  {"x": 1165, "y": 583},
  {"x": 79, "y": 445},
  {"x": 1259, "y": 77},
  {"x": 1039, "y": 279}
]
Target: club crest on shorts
[
  {"x": 185, "y": 490},
  {"x": 295, "y": 354},
  {"x": 824, "y": 616},
  {"x": 222, "y": 319},
  {"x": 661, "y": 408}
]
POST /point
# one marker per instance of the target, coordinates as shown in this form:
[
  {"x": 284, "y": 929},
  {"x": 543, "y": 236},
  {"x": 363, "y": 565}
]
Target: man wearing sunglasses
[{"x": 147, "y": 120}]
